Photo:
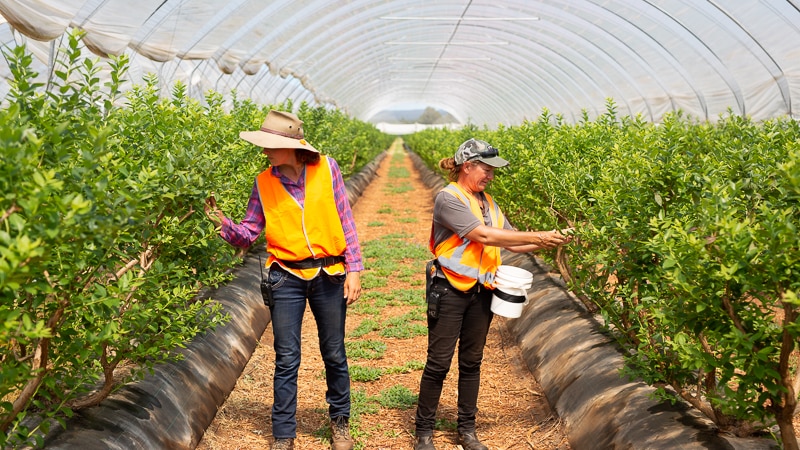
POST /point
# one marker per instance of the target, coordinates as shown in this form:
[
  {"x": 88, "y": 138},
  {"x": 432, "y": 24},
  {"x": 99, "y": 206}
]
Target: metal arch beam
[
  {"x": 613, "y": 42},
  {"x": 298, "y": 91},
  {"x": 166, "y": 13},
  {"x": 620, "y": 70},
  {"x": 255, "y": 83},
  {"x": 655, "y": 44},
  {"x": 582, "y": 41},
  {"x": 581, "y": 50},
  {"x": 389, "y": 99},
  {"x": 792, "y": 9},
  {"x": 366, "y": 97},
  {"x": 254, "y": 52},
  {"x": 335, "y": 19},
  {"x": 229, "y": 82},
  {"x": 621, "y": 45},
  {"x": 270, "y": 37},
  {"x": 708, "y": 55},
  {"x": 458, "y": 95},
  {"x": 665, "y": 53},
  {"x": 87, "y": 11},
  {"x": 256, "y": 78},
  {"x": 303, "y": 96},
  {"x": 355, "y": 51},
  {"x": 221, "y": 16},
  {"x": 338, "y": 22},
  {"x": 556, "y": 50},
  {"x": 278, "y": 85},
  {"x": 359, "y": 36},
  {"x": 541, "y": 59},
  {"x": 258, "y": 90},
  {"x": 501, "y": 109},
  {"x": 364, "y": 52},
  {"x": 217, "y": 82},
  {"x": 517, "y": 76},
  {"x": 393, "y": 95},
  {"x": 288, "y": 43},
  {"x": 642, "y": 61},
  {"x": 247, "y": 28},
  {"x": 285, "y": 90},
  {"x": 543, "y": 77},
  {"x": 155, "y": 21},
  {"x": 759, "y": 52}
]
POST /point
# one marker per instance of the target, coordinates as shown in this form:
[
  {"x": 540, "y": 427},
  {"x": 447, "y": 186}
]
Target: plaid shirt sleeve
[
  {"x": 247, "y": 231},
  {"x": 352, "y": 254}
]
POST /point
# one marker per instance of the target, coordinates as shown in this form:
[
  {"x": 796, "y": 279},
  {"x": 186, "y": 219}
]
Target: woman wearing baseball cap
[{"x": 468, "y": 232}]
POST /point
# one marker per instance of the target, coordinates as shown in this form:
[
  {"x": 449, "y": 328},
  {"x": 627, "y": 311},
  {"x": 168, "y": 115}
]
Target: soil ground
[{"x": 513, "y": 412}]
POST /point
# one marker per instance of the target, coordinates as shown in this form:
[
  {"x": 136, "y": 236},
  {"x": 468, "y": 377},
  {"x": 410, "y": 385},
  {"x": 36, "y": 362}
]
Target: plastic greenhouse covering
[{"x": 485, "y": 61}]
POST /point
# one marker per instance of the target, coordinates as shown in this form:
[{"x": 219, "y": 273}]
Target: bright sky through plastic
[{"x": 484, "y": 61}]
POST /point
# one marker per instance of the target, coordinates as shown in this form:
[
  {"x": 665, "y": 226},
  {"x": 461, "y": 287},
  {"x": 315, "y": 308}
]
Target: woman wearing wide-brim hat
[{"x": 301, "y": 204}]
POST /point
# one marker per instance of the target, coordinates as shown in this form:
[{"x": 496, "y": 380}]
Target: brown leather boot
[
  {"x": 340, "y": 429},
  {"x": 283, "y": 444}
]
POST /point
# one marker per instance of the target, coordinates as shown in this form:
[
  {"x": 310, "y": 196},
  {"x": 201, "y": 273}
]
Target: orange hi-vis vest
[
  {"x": 296, "y": 232},
  {"x": 464, "y": 262}
]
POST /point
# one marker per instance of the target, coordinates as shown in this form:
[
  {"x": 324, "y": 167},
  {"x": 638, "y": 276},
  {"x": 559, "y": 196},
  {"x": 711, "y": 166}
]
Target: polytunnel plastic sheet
[{"x": 485, "y": 61}]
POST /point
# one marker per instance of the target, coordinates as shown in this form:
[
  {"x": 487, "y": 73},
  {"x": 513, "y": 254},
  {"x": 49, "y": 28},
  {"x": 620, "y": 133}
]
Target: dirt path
[{"x": 513, "y": 414}]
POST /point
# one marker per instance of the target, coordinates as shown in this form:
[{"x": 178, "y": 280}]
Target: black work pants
[{"x": 464, "y": 318}]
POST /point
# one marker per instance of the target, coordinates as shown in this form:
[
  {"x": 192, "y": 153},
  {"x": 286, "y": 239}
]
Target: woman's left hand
[{"x": 352, "y": 287}]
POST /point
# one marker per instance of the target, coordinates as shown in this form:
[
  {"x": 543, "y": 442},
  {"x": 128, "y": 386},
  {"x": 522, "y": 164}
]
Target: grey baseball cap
[{"x": 476, "y": 150}]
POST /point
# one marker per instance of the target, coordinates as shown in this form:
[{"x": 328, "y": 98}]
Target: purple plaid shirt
[{"x": 247, "y": 231}]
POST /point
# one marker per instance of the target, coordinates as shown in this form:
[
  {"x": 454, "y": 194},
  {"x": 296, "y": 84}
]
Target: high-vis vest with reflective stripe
[
  {"x": 289, "y": 225},
  {"x": 464, "y": 262}
]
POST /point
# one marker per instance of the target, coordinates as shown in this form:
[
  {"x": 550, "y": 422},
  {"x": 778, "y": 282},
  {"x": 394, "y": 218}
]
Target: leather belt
[
  {"x": 475, "y": 289},
  {"x": 311, "y": 263}
]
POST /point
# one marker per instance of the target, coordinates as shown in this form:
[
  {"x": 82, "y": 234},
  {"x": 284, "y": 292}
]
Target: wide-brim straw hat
[{"x": 280, "y": 129}]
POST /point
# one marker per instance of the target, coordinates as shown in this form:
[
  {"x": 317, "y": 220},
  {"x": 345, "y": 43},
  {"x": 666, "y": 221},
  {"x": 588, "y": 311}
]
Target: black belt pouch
[{"x": 433, "y": 290}]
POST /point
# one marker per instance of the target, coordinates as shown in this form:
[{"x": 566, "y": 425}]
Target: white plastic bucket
[
  {"x": 508, "y": 302},
  {"x": 510, "y": 294},
  {"x": 513, "y": 277},
  {"x": 500, "y": 281}
]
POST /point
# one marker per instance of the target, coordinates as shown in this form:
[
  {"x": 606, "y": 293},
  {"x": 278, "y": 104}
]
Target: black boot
[
  {"x": 470, "y": 442},
  {"x": 424, "y": 443}
]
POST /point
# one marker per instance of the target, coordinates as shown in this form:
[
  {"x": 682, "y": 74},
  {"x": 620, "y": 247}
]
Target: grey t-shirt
[{"x": 451, "y": 216}]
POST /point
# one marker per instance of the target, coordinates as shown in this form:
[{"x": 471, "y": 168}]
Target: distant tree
[
  {"x": 446, "y": 118},
  {"x": 429, "y": 116}
]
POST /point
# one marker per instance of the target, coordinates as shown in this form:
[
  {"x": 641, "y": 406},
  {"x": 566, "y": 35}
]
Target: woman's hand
[
  {"x": 554, "y": 238},
  {"x": 214, "y": 215},
  {"x": 352, "y": 287},
  {"x": 520, "y": 241}
]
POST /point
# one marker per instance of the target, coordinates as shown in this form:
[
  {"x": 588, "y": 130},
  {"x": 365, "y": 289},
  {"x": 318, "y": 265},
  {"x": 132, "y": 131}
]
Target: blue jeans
[
  {"x": 325, "y": 295},
  {"x": 464, "y": 319}
]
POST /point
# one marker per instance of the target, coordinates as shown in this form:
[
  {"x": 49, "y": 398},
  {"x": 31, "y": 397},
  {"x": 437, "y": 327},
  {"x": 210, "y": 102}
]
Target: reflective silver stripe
[{"x": 454, "y": 263}]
